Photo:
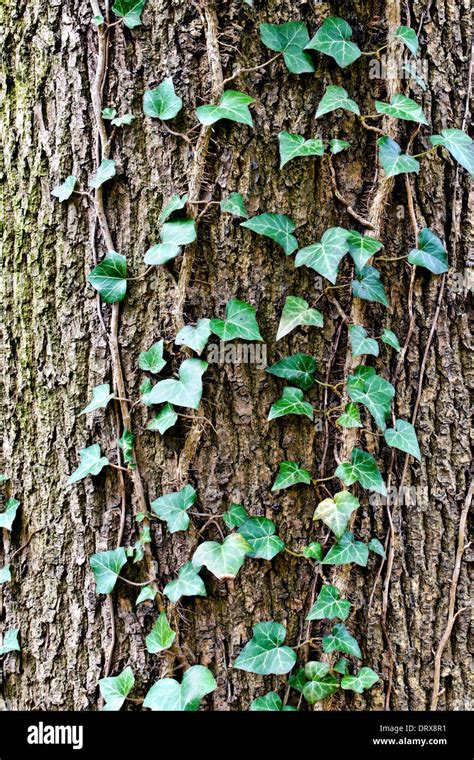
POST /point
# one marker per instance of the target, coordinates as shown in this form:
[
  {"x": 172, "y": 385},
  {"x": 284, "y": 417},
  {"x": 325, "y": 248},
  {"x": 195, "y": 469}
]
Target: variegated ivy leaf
[
  {"x": 459, "y": 144},
  {"x": 361, "y": 343},
  {"x": 115, "y": 689},
  {"x": 234, "y": 204},
  {"x": 9, "y": 513},
  {"x": 187, "y": 391},
  {"x": 347, "y": 550},
  {"x": 324, "y": 257},
  {"x": 10, "y": 641},
  {"x": 369, "y": 287},
  {"x": 341, "y": 641},
  {"x": 126, "y": 443},
  {"x": 278, "y": 227},
  {"x": 368, "y": 388},
  {"x": 65, "y": 190},
  {"x": 161, "y": 636},
  {"x": 270, "y": 702},
  {"x": 389, "y": 337},
  {"x": 162, "y": 102},
  {"x": 335, "y": 512},
  {"x": 233, "y": 105},
  {"x": 170, "y": 696},
  {"x": 259, "y": 532},
  {"x": 290, "y": 473},
  {"x": 314, "y": 550},
  {"x": 152, "y": 360},
  {"x": 188, "y": 583},
  {"x": 402, "y": 107},
  {"x": 195, "y": 337},
  {"x": 147, "y": 593},
  {"x": 5, "y": 574},
  {"x": 235, "y": 516},
  {"x": 172, "y": 508},
  {"x": 320, "y": 683},
  {"x": 350, "y": 418},
  {"x": 334, "y": 98},
  {"x": 165, "y": 419},
  {"x": 376, "y": 547},
  {"x": 296, "y": 311},
  {"x": 337, "y": 146},
  {"x": 239, "y": 322},
  {"x": 130, "y": 11},
  {"x": 403, "y": 437},
  {"x": 430, "y": 253},
  {"x": 362, "y": 469},
  {"x": 101, "y": 396},
  {"x": 92, "y": 462},
  {"x": 299, "y": 369},
  {"x": 362, "y": 248},
  {"x": 289, "y": 39},
  {"x": 334, "y": 39},
  {"x": 175, "y": 203},
  {"x": 122, "y": 121},
  {"x": 294, "y": 146},
  {"x": 364, "y": 679},
  {"x": 265, "y": 654},
  {"x": 297, "y": 679},
  {"x": 106, "y": 567},
  {"x": 109, "y": 277},
  {"x": 105, "y": 172},
  {"x": 409, "y": 37},
  {"x": 342, "y": 666},
  {"x": 291, "y": 402},
  {"x": 393, "y": 160},
  {"x": 329, "y": 605},
  {"x": 222, "y": 560}
]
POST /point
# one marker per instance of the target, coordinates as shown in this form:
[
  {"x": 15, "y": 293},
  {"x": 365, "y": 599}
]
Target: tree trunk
[{"x": 56, "y": 351}]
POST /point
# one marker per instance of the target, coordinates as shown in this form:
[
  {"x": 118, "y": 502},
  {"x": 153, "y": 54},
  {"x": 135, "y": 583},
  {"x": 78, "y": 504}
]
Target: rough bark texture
[{"x": 55, "y": 351}]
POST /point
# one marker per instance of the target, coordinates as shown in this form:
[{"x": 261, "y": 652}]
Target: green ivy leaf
[
  {"x": 402, "y": 107},
  {"x": 389, "y": 337},
  {"x": 362, "y": 248},
  {"x": 324, "y": 257},
  {"x": 293, "y": 146},
  {"x": 98, "y": 20},
  {"x": 168, "y": 695},
  {"x": 409, "y": 37},
  {"x": 291, "y": 402},
  {"x": 106, "y": 567},
  {"x": 5, "y": 574},
  {"x": 232, "y": 105},
  {"x": 9, "y": 514},
  {"x": 259, "y": 532},
  {"x": 369, "y": 286},
  {"x": 235, "y": 205},
  {"x": 362, "y": 469},
  {"x": 115, "y": 690},
  {"x": 101, "y": 396},
  {"x": 109, "y": 277},
  {"x": 123, "y": 121},
  {"x": 239, "y": 322},
  {"x": 178, "y": 232},
  {"x": 165, "y": 419},
  {"x": 147, "y": 593},
  {"x": 3, "y": 477},
  {"x": 393, "y": 160},
  {"x": 222, "y": 560},
  {"x": 105, "y": 172},
  {"x": 195, "y": 337},
  {"x": 161, "y": 636},
  {"x": 329, "y": 605},
  {"x": 265, "y": 654},
  {"x": 162, "y": 102},
  {"x": 361, "y": 343},
  {"x": 459, "y": 144},
  {"x": 335, "y": 512},
  {"x": 321, "y": 683},
  {"x": 299, "y": 369},
  {"x": 347, "y": 550},
  {"x": 334, "y": 98},
  {"x": 161, "y": 253},
  {"x": 187, "y": 391},
  {"x": 289, "y": 39},
  {"x": 92, "y": 462},
  {"x": 403, "y": 437},
  {"x": 126, "y": 443},
  {"x": 109, "y": 113},
  {"x": 342, "y": 666},
  {"x": 270, "y": 702},
  {"x": 430, "y": 253},
  {"x": 64, "y": 191},
  {"x": 350, "y": 418},
  {"x": 172, "y": 508},
  {"x": 341, "y": 641},
  {"x": 364, "y": 679},
  {"x": 235, "y": 516},
  {"x": 278, "y": 227},
  {"x": 375, "y": 546},
  {"x": 188, "y": 583},
  {"x": 297, "y": 680},
  {"x": 130, "y": 11},
  {"x": 337, "y": 146},
  {"x": 333, "y": 39},
  {"x": 175, "y": 203},
  {"x": 296, "y": 312},
  {"x": 290, "y": 473},
  {"x": 10, "y": 641},
  {"x": 368, "y": 388},
  {"x": 152, "y": 360},
  {"x": 314, "y": 550}
]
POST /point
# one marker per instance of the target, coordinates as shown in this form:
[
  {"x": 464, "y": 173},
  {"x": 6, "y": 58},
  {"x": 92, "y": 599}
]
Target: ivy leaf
[
  {"x": 109, "y": 277},
  {"x": 130, "y": 11},
  {"x": 299, "y": 369},
  {"x": 389, "y": 337},
  {"x": 9, "y": 513},
  {"x": 368, "y": 388},
  {"x": 324, "y": 257},
  {"x": 292, "y": 146},
  {"x": 172, "y": 508},
  {"x": 98, "y": 20},
  {"x": 334, "y": 98},
  {"x": 195, "y": 337},
  {"x": 350, "y": 418},
  {"x": 161, "y": 636},
  {"x": 123, "y": 121},
  {"x": 409, "y": 37},
  {"x": 168, "y": 695},
  {"x": 175, "y": 203},
  {"x": 259, "y": 532},
  {"x": 297, "y": 680},
  {"x": 337, "y": 146},
  {"x": 329, "y": 605},
  {"x": 239, "y": 322},
  {"x": 232, "y": 105},
  {"x": 333, "y": 39},
  {"x": 459, "y": 144},
  {"x": 101, "y": 396},
  {"x": 3, "y": 477},
  {"x": 270, "y": 702},
  {"x": 165, "y": 419},
  {"x": 375, "y": 546},
  {"x": 314, "y": 550},
  {"x": 296, "y": 312},
  {"x": 147, "y": 593},
  {"x": 161, "y": 253},
  {"x": 115, "y": 690},
  {"x": 188, "y": 583},
  {"x": 105, "y": 172},
  {"x": 321, "y": 683},
  {"x": 162, "y": 102},
  {"x": 430, "y": 253},
  {"x": 5, "y": 574},
  {"x": 187, "y": 391},
  {"x": 342, "y": 666},
  {"x": 361, "y": 343},
  {"x": 278, "y": 227},
  {"x": 362, "y": 469},
  {"x": 265, "y": 654},
  {"x": 64, "y": 191},
  {"x": 152, "y": 360},
  {"x": 347, "y": 550},
  {"x": 10, "y": 641},
  {"x": 336, "y": 512},
  {"x": 235, "y": 516},
  {"x": 126, "y": 443},
  {"x": 289, "y": 39},
  {"x": 92, "y": 462},
  {"x": 289, "y": 474},
  {"x": 362, "y": 248},
  {"x": 173, "y": 235},
  {"x": 106, "y": 567},
  {"x": 369, "y": 286},
  {"x": 235, "y": 205},
  {"x": 402, "y": 107},
  {"x": 291, "y": 402},
  {"x": 341, "y": 641},
  {"x": 364, "y": 679},
  {"x": 109, "y": 113},
  {"x": 403, "y": 437},
  {"x": 393, "y": 160},
  {"x": 222, "y": 560}
]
